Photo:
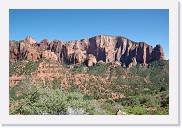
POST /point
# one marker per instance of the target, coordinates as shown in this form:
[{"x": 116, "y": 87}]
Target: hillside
[
  {"x": 46, "y": 86},
  {"x": 100, "y": 75}
]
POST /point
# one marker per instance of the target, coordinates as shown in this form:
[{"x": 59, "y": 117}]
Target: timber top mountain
[{"x": 99, "y": 49}]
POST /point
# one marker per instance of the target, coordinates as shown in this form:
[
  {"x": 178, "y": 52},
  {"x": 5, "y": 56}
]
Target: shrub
[
  {"x": 45, "y": 101},
  {"x": 98, "y": 70},
  {"x": 56, "y": 83},
  {"x": 136, "y": 110},
  {"x": 27, "y": 98},
  {"x": 75, "y": 111}
]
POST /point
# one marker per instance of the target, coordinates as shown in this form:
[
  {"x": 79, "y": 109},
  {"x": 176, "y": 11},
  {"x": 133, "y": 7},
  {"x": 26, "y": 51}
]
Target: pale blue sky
[{"x": 148, "y": 25}]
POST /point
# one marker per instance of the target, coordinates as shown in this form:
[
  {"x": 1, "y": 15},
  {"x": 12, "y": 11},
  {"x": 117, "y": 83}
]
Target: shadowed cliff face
[{"x": 91, "y": 50}]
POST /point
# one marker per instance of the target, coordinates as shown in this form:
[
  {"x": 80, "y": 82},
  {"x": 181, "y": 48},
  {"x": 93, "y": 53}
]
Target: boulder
[
  {"x": 117, "y": 63},
  {"x": 101, "y": 62},
  {"x": 133, "y": 62},
  {"x": 91, "y": 60},
  {"x": 119, "y": 112}
]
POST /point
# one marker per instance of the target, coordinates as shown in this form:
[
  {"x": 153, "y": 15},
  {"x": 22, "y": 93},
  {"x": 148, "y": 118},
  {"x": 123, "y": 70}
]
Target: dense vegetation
[
  {"x": 39, "y": 100},
  {"x": 23, "y": 67},
  {"x": 100, "y": 89}
]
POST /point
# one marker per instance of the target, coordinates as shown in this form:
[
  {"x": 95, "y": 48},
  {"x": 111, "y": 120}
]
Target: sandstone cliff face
[
  {"x": 30, "y": 50},
  {"x": 117, "y": 48},
  {"x": 14, "y": 54},
  {"x": 49, "y": 55},
  {"x": 104, "y": 48},
  {"x": 91, "y": 60},
  {"x": 30, "y": 40}
]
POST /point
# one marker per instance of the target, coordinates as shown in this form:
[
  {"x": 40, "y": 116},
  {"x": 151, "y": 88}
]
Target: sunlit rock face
[{"x": 101, "y": 48}]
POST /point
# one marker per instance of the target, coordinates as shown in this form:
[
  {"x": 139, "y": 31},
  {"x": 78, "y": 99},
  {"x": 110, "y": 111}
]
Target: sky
[{"x": 140, "y": 25}]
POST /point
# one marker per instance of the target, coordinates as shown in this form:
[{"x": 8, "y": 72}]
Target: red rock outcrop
[
  {"x": 45, "y": 44},
  {"x": 103, "y": 47},
  {"x": 56, "y": 47},
  {"x": 91, "y": 60},
  {"x": 133, "y": 62},
  {"x": 79, "y": 57},
  {"x": 33, "y": 56},
  {"x": 117, "y": 48},
  {"x": 159, "y": 53},
  {"x": 29, "y": 40},
  {"x": 22, "y": 49},
  {"x": 49, "y": 55},
  {"x": 14, "y": 53}
]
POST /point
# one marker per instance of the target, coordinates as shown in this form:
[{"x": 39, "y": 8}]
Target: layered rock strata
[{"x": 102, "y": 48}]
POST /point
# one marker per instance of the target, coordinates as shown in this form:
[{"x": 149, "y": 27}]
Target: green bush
[
  {"x": 56, "y": 83},
  {"x": 38, "y": 100},
  {"x": 54, "y": 98},
  {"x": 30, "y": 67},
  {"x": 79, "y": 68},
  {"x": 140, "y": 100},
  {"x": 98, "y": 70},
  {"x": 136, "y": 110},
  {"x": 23, "y": 67}
]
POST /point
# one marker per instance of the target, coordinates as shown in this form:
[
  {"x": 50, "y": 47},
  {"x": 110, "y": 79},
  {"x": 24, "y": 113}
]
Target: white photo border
[{"x": 171, "y": 119}]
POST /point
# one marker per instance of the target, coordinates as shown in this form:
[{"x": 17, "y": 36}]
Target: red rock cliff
[{"x": 103, "y": 48}]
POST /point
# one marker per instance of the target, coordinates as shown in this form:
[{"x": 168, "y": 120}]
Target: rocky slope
[
  {"x": 139, "y": 90},
  {"x": 103, "y": 48}
]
